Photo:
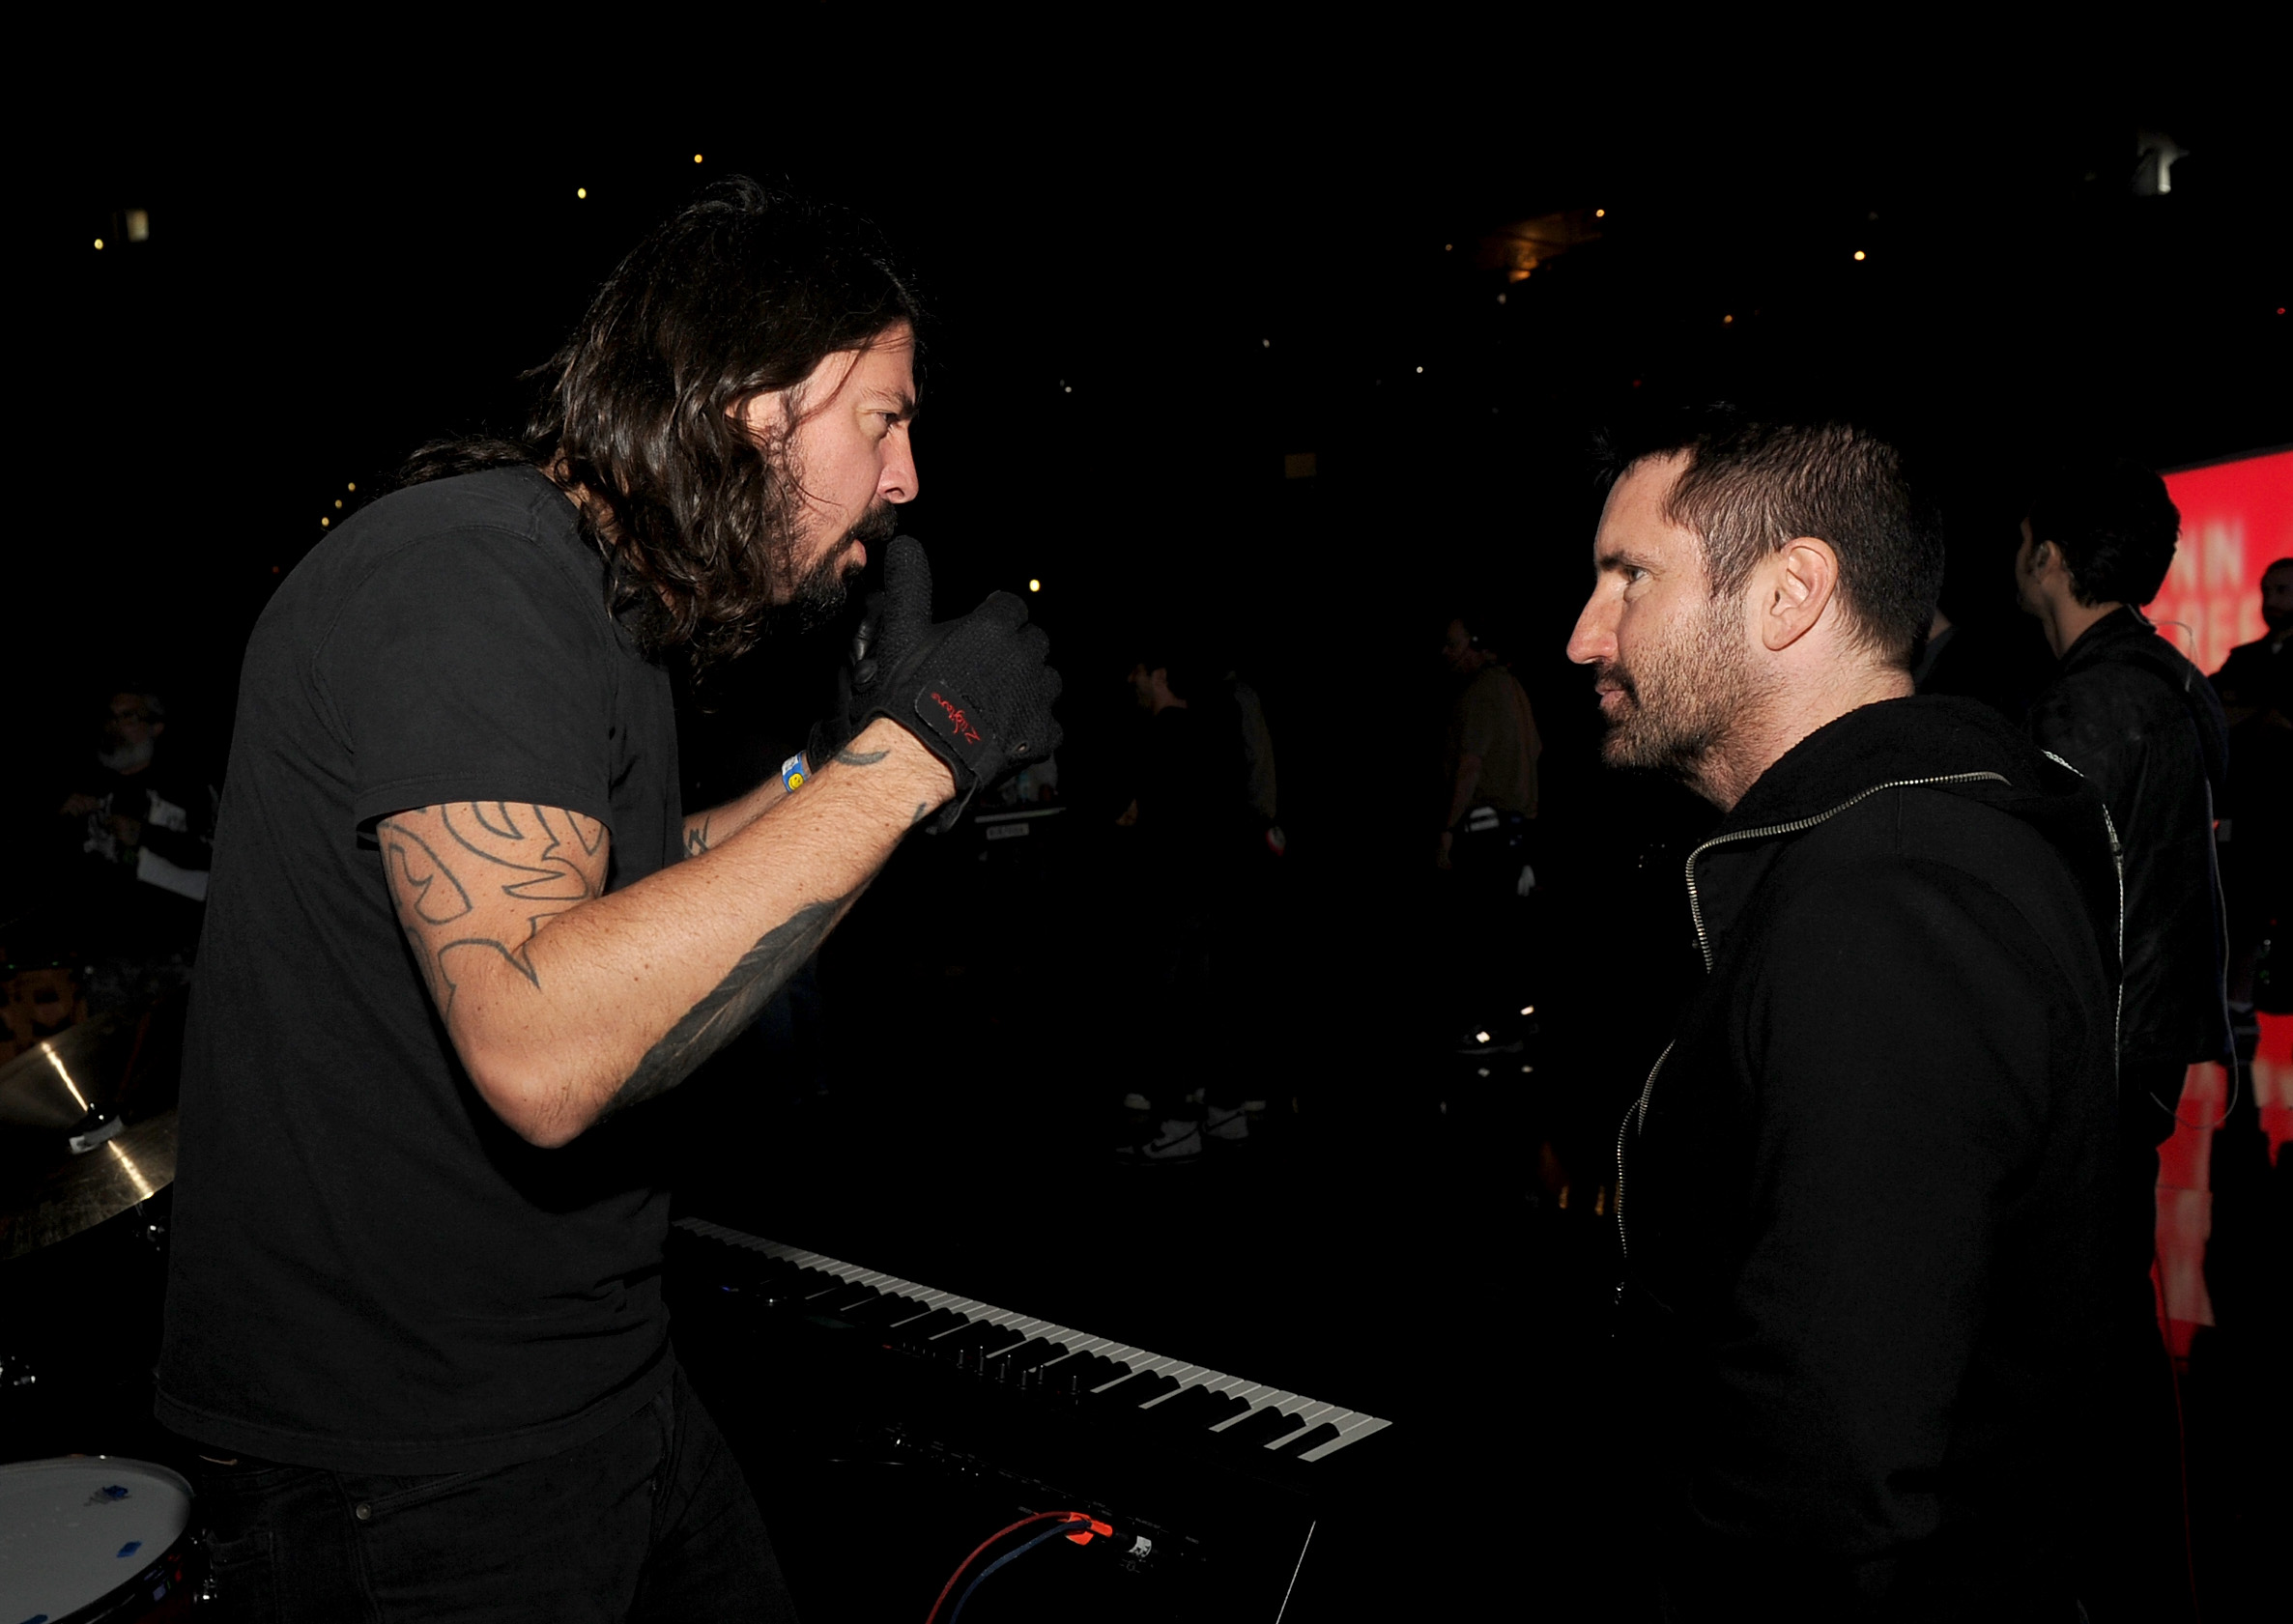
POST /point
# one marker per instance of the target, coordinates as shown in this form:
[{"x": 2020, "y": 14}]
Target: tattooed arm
[
  {"x": 567, "y": 1004},
  {"x": 704, "y": 829}
]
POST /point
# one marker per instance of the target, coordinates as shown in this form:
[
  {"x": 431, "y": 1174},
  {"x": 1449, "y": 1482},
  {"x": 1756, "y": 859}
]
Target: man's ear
[
  {"x": 1798, "y": 585},
  {"x": 768, "y": 416}
]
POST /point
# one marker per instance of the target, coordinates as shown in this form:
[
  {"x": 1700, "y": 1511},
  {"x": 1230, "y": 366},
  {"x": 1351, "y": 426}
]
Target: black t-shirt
[{"x": 370, "y": 1271}]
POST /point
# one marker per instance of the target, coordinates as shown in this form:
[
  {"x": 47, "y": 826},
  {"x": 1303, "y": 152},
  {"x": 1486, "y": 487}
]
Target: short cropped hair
[
  {"x": 1751, "y": 486},
  {"x": 2114, "y": 522}
]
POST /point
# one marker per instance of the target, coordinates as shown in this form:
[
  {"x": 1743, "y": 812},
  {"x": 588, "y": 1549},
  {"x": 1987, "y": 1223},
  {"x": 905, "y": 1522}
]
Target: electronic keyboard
[{"x": 1250, "y": 1423}]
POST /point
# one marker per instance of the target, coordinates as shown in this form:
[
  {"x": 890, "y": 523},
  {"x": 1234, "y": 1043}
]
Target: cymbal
[
  {"x": 54, "y": 1083},
  {"x": 81, "y": 1191}
]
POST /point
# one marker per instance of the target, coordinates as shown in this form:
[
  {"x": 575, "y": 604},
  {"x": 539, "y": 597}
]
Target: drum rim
[{"x": 178, "y": 1547}]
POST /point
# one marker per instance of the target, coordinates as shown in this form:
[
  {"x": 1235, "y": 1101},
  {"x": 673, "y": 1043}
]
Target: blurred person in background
[
  {"x": 2253, "y": 678},
  {"x": 1197, "y": 910},
  {"x": 2141, "y": 723},
  {"x": 2256, "y": 825},
  {"x": 1488, "y": 774},
  {"x": 136, "y": 832}
]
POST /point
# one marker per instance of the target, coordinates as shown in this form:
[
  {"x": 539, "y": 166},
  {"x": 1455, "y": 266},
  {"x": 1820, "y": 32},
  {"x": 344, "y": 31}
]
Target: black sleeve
[
  {"x": 471, "y": 666},
  {"x": 1901, "y": 1036}
]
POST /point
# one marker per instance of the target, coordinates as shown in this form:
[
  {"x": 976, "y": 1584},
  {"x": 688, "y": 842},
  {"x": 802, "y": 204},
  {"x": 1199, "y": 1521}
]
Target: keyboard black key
[
  {"x": 1145, "y": 1389},
  {"x": 1224, "y": 1407}
]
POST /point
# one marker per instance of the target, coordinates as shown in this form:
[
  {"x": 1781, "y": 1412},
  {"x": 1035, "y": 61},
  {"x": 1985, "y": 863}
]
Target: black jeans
[{"x": 653, "y": 1520}]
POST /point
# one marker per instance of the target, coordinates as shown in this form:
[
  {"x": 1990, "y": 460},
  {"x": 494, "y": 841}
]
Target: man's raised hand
[{"x": 977, "y": 692}]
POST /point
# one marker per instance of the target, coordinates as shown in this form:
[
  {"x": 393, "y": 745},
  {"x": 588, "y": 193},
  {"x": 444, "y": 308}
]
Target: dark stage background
[{"x": 1150, "y": 301}]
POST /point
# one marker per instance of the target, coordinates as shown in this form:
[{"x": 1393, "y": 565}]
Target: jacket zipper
[
  {"x": 1638, "y": 1115},
  {"x": 2117, "y": 861}
]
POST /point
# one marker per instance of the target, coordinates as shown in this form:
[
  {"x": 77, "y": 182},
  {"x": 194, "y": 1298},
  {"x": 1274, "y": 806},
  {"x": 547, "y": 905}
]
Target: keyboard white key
[{"x": 1358, "y": 1428}]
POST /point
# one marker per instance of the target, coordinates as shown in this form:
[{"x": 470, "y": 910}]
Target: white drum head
[{"x": 74, "y": 1530}]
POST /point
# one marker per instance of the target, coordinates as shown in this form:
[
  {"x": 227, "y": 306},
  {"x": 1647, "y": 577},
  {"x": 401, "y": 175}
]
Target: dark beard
[
  {"x": 1679, "y": 705},
  {"x": 819, "y": 594}
]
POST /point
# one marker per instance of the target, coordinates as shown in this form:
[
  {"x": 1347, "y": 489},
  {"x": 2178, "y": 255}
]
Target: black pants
[{"x": 653, "y": 1520}]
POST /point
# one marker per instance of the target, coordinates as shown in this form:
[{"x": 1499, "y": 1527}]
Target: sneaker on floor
[
  {"x": 1175, "y": 1142},
  {"x": 1137, "y": 1101},
  {"x": 1229, "y": 1125}
]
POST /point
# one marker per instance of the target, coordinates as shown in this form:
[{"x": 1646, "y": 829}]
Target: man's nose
[
  {"x": 1596, "y": 636},
  {"x": 899, "y": 482}
]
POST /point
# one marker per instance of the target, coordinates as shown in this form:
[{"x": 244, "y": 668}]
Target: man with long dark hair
[{"x": 461, "y": 931}]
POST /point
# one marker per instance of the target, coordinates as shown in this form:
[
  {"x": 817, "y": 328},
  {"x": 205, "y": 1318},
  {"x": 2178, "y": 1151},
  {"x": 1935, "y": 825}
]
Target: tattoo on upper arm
[
  {"x": 446, "y": 863},
  {"x": 851, "y": 758},
  {"x": 726, "y": 1012},
  {"x": 493, "y": 816}
]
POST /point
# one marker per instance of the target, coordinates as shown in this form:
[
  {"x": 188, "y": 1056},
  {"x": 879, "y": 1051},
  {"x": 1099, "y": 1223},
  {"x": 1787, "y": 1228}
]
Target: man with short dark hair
[
  {"x": 2255, "y": 683},
  {"x": 2253, "y": 678},
  {"x": 461, "y": 932},
  {"x": 2128, "y": 711},
  {"x": 2141, "y": 723},
  {"x": 1859, "y": 1195}
]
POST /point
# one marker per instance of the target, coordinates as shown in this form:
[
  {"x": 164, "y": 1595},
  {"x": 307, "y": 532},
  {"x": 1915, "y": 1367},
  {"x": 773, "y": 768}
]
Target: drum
[{"x": 91, "y": 1537}]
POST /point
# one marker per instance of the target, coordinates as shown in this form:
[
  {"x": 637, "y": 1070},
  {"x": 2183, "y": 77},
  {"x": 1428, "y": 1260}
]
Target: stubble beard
[{"x": 1680, "y": 702}]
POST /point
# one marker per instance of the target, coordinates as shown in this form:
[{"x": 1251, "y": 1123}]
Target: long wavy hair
[{"x": 743, "y": 292}]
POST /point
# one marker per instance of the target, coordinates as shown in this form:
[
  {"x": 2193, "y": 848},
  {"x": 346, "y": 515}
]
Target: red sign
[{"x": 2236, "y": 517}]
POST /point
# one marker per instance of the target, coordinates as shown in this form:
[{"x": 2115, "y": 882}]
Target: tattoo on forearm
[
  {"x": 442, "y": 861},
  {"x": 851, "y": 758},
  {"x": 725, "y": 1012},
  {"x": 697, "y": 838}
]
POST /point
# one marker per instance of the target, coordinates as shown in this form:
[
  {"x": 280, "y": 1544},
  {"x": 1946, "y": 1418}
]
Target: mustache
[
  {"x": 873, "y": 528},
  {"x": 1618, "y": 677}
]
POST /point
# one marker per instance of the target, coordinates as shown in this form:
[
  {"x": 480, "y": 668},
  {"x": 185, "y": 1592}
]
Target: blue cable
[{"x": 1053, "y": 1532}]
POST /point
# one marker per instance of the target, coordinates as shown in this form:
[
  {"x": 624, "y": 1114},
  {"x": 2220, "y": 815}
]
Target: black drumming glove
[{"x": 976, "y": 692}]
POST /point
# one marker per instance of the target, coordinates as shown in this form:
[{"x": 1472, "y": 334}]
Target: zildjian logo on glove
[
  {"x": 955, "y": 724},
  {"x": 976, "y": 691}
]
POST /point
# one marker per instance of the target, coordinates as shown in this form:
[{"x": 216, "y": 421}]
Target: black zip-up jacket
[
  {"x": 1861, "y": 1196},
  {"x": 2144, "y": 724}
]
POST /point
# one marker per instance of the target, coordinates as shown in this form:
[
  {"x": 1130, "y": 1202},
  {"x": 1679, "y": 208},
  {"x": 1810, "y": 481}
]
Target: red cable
[{"x": 933, "y": 1616}]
